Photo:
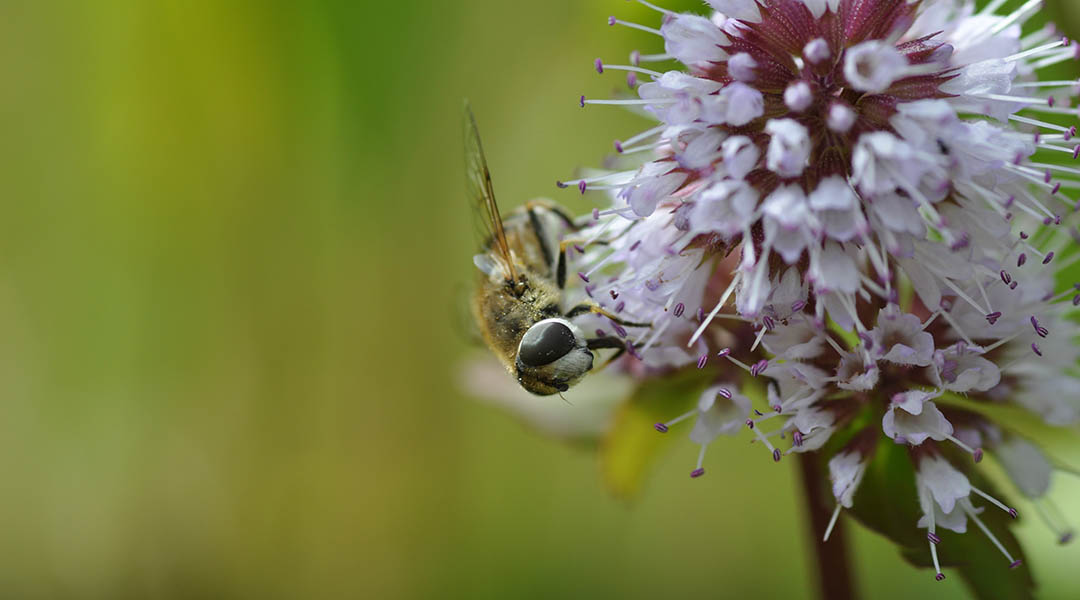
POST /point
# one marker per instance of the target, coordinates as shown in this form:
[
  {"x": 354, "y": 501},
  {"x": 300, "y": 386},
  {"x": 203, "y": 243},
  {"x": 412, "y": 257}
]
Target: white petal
[
  {"x": 946, "y": 484},
  {"x": 873, "y": 66},
  {"x": 1026, "y": 466},
  {"x": 915, "y": 429},
  {"x": 846, "y": 471},
  {"x": 789, "y": 147},
  {"x": 718, "y": 415},
  {"x": 833, "y": 193},
  {"x": 693, "y": 40},
  {"x": 744, "y": 10},
  {"x": 740, "y": 155},
  {"x": 741, "y": 67}
]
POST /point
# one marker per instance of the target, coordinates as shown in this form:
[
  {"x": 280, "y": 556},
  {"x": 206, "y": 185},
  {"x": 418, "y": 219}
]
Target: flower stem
[{"x": 834, "y": 573}]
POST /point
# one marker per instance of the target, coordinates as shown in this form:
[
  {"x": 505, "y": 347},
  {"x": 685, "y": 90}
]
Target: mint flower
[{"x": 859, "y": 210}]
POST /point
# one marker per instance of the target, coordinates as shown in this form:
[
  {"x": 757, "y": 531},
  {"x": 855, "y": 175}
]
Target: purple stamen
[
  {"x": 614, "y": 294},
  {"x": 652, "y": 285},
  {"x": 939, "y": 576},
  {"x": 777, "y": 408},
  {"x": 797, "y": 306},
  {"x": 700, "y": 314},
  {"x": 601, "y": 333},
  {"x": 758, "y": 367},
  {"x": 579, "y": 248},
  {"x": 679, "y": 308},
  {"x": 635, "y": 245},
  {"x": 1013, "y": 513},
  {"x": 581, "y": 186},
  {"x": 697, "y": 473},
  {"x": 702, "y": 360},
  {"x": 749, "y": 424},
  {"x": 724, "y": 352},
  {"x": 1076, "y": 152},
  {"x": 595, "y": 214},
  {"x": 619, "y": 330},
  {"x": 1049, "y": 257},
  {"x": 1065, "y": 538},
  {"x": 1015, "y": 563},
  {"x": 1020, "y": 260},
  {"x": 768, "y": 323},
  {"x": 776, "y": 455},
  {"x": 620, "y": 306},
  {"x": 581, "y": 101},
  {"x": 661, "y": 427},
  {"x": 611, "y": 20},
  {"x": 796, "y": 438},
  {"x": 583, "y": 277},
  {"x": 1023, "y": 235},
  {"x": 759, "y": 413},
  {"x": 618, "y": 146},
  {"x": 1035, "y": 349},
  {"x": 1005, "y": 277},
  {"x": 977, "y": 455},
  {"x": 933, "y": 537},
  {"x": 1012, "y": 286},
  {"x": 631, "y": 80},
  {"x": 1047, "y": 176},
  {"x": 724, "y": 393},
  {"x": 599, "y": 64},
  {"x": 1076, "y": 300},
  {"x": 1050, "y": 101},
  {"x": 993, "y": 317},
  {"x": 1054, "y": 190}
]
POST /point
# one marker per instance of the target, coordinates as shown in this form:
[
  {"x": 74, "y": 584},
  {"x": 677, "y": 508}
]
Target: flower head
[{"x": 861, "y": 204}]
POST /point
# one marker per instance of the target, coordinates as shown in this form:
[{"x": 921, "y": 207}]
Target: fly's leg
[
  {"x": 620, "y": 346},
  {"x": 588, "y": 307}
]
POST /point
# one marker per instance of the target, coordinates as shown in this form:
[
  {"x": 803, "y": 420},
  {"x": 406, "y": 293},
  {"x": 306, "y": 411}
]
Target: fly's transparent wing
[{"x": 481, "y": 197}]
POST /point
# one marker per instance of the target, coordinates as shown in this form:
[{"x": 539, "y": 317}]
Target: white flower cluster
[{"x": 860, "y": 202}]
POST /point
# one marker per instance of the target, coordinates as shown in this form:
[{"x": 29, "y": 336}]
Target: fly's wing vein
[{"x": 481, "y": 196}]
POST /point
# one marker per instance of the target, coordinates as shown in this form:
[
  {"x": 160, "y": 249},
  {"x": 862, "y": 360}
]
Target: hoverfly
[{"x": 517, "y": 303}]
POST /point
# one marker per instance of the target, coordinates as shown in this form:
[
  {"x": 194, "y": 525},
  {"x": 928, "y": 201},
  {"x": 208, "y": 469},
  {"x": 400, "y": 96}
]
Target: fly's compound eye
[{"x": 545, "y": 343}]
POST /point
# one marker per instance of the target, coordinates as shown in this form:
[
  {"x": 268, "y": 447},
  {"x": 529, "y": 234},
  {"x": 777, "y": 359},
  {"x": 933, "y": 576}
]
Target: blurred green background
[{"x": 234, "y": 245}]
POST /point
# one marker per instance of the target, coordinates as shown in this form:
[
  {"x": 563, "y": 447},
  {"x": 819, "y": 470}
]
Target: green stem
[{"x": 835, "y": 579}]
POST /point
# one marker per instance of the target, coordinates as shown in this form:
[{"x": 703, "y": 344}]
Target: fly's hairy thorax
[{"x": 504, "y": 315}]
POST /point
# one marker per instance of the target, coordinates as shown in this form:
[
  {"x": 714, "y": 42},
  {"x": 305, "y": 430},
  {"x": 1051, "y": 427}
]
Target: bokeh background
[{"x": 234, "y": 247}]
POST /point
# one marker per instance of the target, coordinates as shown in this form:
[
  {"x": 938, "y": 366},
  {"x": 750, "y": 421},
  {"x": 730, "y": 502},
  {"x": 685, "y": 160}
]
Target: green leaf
[
  {"x": 632, "y": 444},
  {"x": 886, "y": 503}
]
